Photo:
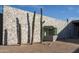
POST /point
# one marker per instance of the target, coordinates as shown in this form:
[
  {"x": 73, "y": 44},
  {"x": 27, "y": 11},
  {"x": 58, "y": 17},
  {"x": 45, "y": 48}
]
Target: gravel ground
[{"x": 46, "y": 47}]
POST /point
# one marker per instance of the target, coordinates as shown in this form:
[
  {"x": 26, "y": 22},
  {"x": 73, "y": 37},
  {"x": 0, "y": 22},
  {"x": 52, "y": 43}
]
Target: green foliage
[{"x": 52, "y": 30}]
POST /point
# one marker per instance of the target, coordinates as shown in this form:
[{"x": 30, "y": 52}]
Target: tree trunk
[{"x": 33, "y": 25}]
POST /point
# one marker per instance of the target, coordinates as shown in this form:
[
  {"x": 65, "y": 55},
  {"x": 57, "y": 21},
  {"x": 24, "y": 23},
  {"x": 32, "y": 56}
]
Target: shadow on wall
[
  {"x": 67, "y": 34},
  {"x": 76, "y": 51}
]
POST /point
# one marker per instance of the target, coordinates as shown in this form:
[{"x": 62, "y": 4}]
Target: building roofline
[{"x": 36, "y": 13}]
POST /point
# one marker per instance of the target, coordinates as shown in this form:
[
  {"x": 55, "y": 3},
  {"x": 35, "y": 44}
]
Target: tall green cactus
[
  {"x": 5, "y": 37},
  {"x": 41, "y": 27},
  {"x": 33, "y": 25},
  {"x": 28, "y": 28},
  {"x": 19, "y": 41},
  {"x": 18, "y": 31}
]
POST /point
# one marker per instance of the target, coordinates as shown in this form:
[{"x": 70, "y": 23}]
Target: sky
[{"x": 62, "y": 12}]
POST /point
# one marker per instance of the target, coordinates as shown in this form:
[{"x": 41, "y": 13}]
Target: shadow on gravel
[
  {"x": 75, "y": 41},
  {"x": 76, "y": 51}
]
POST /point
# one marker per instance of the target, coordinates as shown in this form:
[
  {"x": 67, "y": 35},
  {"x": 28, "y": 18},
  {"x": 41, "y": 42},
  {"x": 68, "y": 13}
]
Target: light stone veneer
[{"x": 9, "y": 22}]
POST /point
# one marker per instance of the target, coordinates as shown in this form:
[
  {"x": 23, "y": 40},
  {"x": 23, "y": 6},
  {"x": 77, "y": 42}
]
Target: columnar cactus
[
  {"x": 18, "y": 31},
  {"x": 19, "y": 36},
  {"x": 28, "y": 28},
  {"x": 33, "y": 25},
  {"x": 41, "y": 27},
  {"x": 5, "y": 37}
]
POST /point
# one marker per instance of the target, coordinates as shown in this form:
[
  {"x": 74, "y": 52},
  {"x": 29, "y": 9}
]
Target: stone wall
[
  {"x": 59, "y": 24},
  {"x": 9, "y": 18},
  {"x": 9, "y": 22}
]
